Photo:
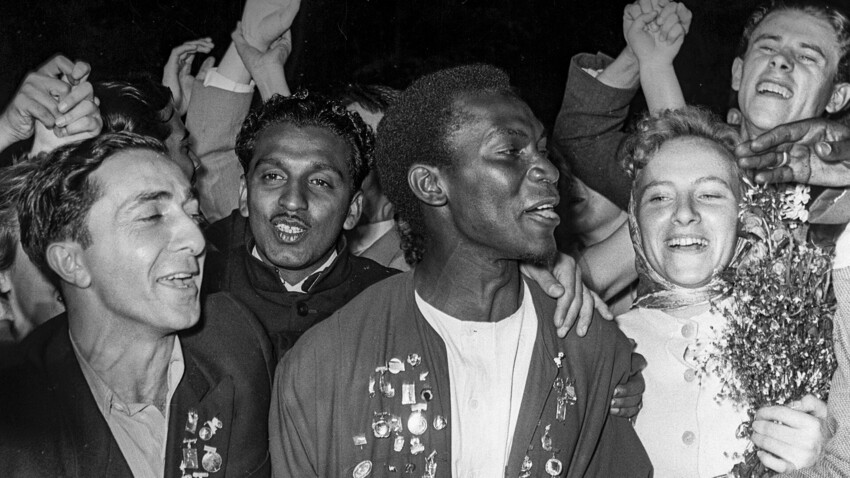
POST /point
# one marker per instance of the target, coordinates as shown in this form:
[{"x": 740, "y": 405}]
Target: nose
[
  {"x": 685, "y": 212},
  {"x": 542, "y": 170},
  {"x": 292, "y": 197},
  {"x": 781, "y": 61},
  {"x": 189, "y": 235}
]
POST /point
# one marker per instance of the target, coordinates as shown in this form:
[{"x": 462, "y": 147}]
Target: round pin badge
[
  {"x": 416, "y": 423},
  {"x": 554, "y": 467},
  {"x": 211, "y": 461},
  {"x": 362, "y": 470},
  {"x": 205, "y": 433},
  {"x": 440, "y": 422}
]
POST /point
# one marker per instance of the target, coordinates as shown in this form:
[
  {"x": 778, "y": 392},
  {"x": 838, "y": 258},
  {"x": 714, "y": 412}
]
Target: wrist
[{"x": 623, "y": 72}]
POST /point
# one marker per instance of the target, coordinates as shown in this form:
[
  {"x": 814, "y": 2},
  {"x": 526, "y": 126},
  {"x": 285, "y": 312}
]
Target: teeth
[
  {"x": 687, "y": 241},
  {"x": 287, "y": 229},
  {"x": 768, "y": 87},
  {"x": 545, "y": 206},
  {"x": 181, "y": 275}
]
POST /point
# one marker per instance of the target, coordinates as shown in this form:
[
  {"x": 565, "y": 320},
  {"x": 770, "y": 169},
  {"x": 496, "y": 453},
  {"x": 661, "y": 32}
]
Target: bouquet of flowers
[{"x": 777, "y": 345}]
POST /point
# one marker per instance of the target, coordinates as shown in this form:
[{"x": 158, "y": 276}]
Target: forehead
[
  {"x": 128, "y": 174},
  {"x": 484, "y": 112},
  {"x": 285, "y": 142},
  {"x": 798, "y": 26},
  {"x": 684, "y": 161}
]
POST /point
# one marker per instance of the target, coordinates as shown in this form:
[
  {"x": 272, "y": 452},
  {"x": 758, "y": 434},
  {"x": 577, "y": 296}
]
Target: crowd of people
[{"x": 372, "y": 282}]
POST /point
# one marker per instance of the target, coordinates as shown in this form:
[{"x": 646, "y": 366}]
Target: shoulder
[{"x": 368, "y": 269}]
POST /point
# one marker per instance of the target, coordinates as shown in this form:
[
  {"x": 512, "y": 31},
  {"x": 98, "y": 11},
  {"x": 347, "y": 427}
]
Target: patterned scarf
[{"x": 656, "y": 292}]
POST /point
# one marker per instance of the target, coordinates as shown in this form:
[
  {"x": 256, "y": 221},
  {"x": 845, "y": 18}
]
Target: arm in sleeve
[{"x": 588, "y": 130}]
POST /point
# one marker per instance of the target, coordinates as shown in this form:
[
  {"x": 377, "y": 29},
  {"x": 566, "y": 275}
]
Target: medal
[
  {"x": 546, "y": 440},
  {"x": 398, "y": 443},
  {"x": 416, "y": 422},
  {"x": 190, "y": 455},
  {"x": 192, "y": 421},
  {"x": 359, "y": 440},
  {"x": 408, "y": 393},
  {"x": 414, "y": 359},
  {"x": 426, "y": 393},
  {"x": 380, "y": 425},
  {"x": 362, "y": 470},
  {"x": 395, "y": 365},
  {"x": 209, "y": 429},
  {"x": 395, "y": 424},
  {"x": 440, "y": 422},
  {"x": 554, "y": 467},
  {"x": 211, "y": 460},
  {"x": 416, "y": 446},
  {"x": 430, "y": 465}
]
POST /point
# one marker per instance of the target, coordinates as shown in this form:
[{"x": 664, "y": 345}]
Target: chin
[{"x": 541, "y": 258}]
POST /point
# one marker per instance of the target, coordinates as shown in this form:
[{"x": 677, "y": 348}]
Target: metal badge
[
  {"x": 430, "y": 465},
  {"x": 362, "y": 470},
  {"x": 190, "y": 458},
  {"x": 525, "y": 469},
  {"x": 398, "y": 443},
  {"x": 416, "y": 446},
  {"x": 426, "y": 393},
  {"x": 371, "y": 386},
  {"x": 408, "y": 393},
  {"x": 211, "y": 460},
  {"x": 381, "y": 425},
  {"x": 192, "y": 421},
  {"x": 360, "y": 440},
  {"x": 395, "y": 424},
  {"x": 554, "y": 467},
  {"x": 395, "y": 366},
  {"x": 209, "y": 429},
  {"x": 546, "y": 440},
  {"x": 384, "y": 384},
  {"x": 409, "y": 468},
  {"x": 414, "y": 359},
  {"x": 423, "y": 376},
  {"x": 416, "y": 422},
  {"x": 440, "y": 422}
]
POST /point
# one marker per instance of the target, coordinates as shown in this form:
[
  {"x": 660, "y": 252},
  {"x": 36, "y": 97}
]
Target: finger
[
  {"x": 810, "y": 404},
  {"x": 685, "y": 16},
  {"x": 667, "y": 12},
  {"x": 774, "y": 463},
  {"x": 645, "y": 6},
  {"x": 575, "y": 306},
  {"x": 57, "y": 66},
  {"x": 601, "y": 307},
  {"x": 208, "y": 63},
  {"x": 627, "y": 412},
  {"x": 770, "y": 159},
  {"x": 833, "y": 152},
  {"x": 671, "y": 23},
  {"x": 733, "y": 116},
  {"x": 38, "y": 103},
  {"x": 80, "y": 73},
  {"x": 90, "y": 125},
  {"x": 42, "y": 113},
  {"x": 774, "y": 176},
  {"x": 632, "y": 11},
  {"x": 52, "y": 87},
  {"x": 786, "y": 417},
  {"x": 628, "y": 404},
  {"x": 80, "y": 111},
  {"x": 787, "y": 133},
  {"x": 82, "y": 92},
  {"x": 585, "y": 313},
  {"x": 644, "y": 20}
]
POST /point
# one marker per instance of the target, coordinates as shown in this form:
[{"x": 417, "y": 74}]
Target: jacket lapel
[{"x": 211, "y": 398}]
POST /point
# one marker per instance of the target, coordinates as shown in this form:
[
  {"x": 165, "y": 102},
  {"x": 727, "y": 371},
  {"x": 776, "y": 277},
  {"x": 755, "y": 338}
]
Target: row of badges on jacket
[{"x": 211, "y": 461}]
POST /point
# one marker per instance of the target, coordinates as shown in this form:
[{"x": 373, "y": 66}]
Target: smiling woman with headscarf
[{"x": 683, "y": 219}]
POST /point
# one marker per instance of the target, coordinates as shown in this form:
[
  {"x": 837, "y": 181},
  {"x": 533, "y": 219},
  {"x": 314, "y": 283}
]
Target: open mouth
[
  {"x": 545, "y": 212},
  {"x": 687, "y": 244},
  {"x": 179, "y": 280},
  {"x": 290, "y": 230},
  {"x": 770, "y": 88}
]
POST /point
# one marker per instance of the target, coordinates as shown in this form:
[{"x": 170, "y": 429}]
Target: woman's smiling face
[{"x": 687, "y": 210}]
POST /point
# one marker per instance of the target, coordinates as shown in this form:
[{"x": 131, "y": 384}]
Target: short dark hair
[
  {"x": 819, "y": 9},
  {"x": 301, "y": 110},
  {"x": 652, "y": 131},
  {"x": 415, "y": 130},
  {"x": 136, "y": 107},
  {"x": 13, "y": 181},
  {"x": 60, "y": 193}
]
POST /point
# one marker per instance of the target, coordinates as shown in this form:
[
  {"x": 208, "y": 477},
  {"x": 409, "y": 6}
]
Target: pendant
[
  {"x": 192, "y": 421},
  {"x": 190, "y": 456},
  {"x": 380, "y": 425},
  {"x": 362, "y": 470},
  {"x": 546, "y": 440},
  {"x": 430, "y": 465},
  {"x": 525, "y": 469},
  {"x": 416, "y": 422},
  {"x": 554, "y": 467},
  {"x": 440, "y": 422},
  {"x": 211, "y": 460}
]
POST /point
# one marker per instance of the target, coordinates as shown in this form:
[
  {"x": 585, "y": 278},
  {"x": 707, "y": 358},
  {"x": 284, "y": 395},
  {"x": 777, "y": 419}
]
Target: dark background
[{"x": 380, "y": 41}]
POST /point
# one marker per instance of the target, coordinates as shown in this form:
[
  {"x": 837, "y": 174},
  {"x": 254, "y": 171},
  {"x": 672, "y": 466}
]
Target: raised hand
[
  {"x": 655, "y": 29},
  {"x": 264, "y": 21},
  {"x": 265, "y": 67},
  {"x": 177, "y": 73}
]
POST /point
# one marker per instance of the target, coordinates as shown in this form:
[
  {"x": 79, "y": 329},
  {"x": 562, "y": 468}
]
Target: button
[
  {"x": 302, "y": 308},
  {"x": 688, "y": 331},
  {"x": 473, "y": 403},
  {"x": 690, "y": 375},
  {"x": 688, "y": 438}
]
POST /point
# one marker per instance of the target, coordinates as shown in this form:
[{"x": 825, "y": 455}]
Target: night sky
[{"x": 377, "y": 41}]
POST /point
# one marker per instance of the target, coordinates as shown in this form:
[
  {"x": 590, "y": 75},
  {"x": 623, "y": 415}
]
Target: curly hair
[
  {"x": 652, "y": 131},
  {"x": 830, "y": 13},
  {"x": 302, "y": 110},
  {"x": 135, "y": 107},
  {"x": 13, "y": 182},
  {"x": 60, "y": 193},
  {"x": 415, "y": 130}
]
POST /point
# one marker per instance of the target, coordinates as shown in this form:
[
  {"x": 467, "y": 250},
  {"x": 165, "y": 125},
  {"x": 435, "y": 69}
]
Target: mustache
[{"x": 290, "y": 219}]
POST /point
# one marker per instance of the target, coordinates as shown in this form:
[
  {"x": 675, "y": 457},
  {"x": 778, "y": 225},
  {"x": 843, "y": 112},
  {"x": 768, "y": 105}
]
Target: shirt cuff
[
  {"x": 842, "y": 250},
  {"x": 217, "y": 80}
]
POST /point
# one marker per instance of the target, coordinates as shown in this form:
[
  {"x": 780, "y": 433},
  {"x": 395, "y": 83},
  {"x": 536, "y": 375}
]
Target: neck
[
  {"x": 131, "y": 361},
  {"x": 689, "y": 311},
  {"x": 459, "y": 280}
]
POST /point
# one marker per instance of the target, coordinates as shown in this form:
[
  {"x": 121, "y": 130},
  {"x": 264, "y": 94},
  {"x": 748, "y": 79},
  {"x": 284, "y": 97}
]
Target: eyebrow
[
  {"x": 814, "y": 48},
  {"x": 315, "y": 165},
  {"x": 145, "y": 197},
  {"x": 702, "y": 180}
]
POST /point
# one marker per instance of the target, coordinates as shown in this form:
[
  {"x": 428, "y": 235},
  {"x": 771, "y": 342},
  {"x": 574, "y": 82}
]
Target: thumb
[
  {"x": 643, "y": 20},
  {"x": 833, "y": 152},
  {"x": 205, "y": 68},
  {"x": 811, "y": 405}
]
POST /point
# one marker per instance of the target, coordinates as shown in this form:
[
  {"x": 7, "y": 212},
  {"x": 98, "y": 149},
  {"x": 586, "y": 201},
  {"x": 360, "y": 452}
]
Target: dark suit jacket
[{"x": 50, "y": 424}]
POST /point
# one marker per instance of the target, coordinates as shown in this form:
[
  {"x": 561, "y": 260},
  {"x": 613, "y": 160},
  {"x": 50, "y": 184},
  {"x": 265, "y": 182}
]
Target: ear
[
  {"x": 6, "y": 281},
  {"x": 425, "y": 181},
  {"x": 840, "y": 97},
  {"x": 243, "y": 196},
  {"x": 737, "y": 73},
  {"x": 67, "y": 261},
  {"x": 355, "y": 207}
]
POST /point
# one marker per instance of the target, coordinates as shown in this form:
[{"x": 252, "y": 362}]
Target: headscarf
[{"x": 656, "y": 292}]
